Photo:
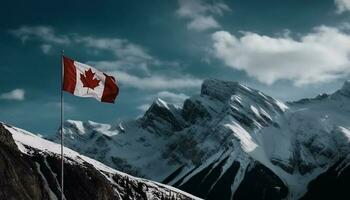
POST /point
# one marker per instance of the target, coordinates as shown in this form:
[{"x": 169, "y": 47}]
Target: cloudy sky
[{"x": 288, "y": 49}]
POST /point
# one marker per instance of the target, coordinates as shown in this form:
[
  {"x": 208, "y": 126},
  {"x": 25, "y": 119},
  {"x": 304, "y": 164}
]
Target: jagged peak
[
  {"x": 157, "y": 104},
  {"x": 161, "y": 103},
  {"x": 5, "y": 136},
  {"x": 346, "y": 87},
  {"x": 88, "y": 127},
  {"x": 222, "y": 90},
  {"x": 160, "y": 110},
  {"x": 344, "y": 91},
  {"x": 225, "y": 90},
  {"x": 78, "y": 125},
  {"x": 71, "y": 121},
  {"x": 84, "y": 123}
]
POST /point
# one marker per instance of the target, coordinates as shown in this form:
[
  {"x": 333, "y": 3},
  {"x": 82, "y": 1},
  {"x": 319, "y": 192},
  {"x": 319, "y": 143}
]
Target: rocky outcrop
[
  {"x": 193, "y": 111},
  {"x": 162, "y": 118},
  {"x": 345, "y": 90},
  {"x": 265, "y": 184},
  {"x": 19, "y": 178},
  {"x": 332, "y": 184},
  {"x": 35, "y": 175},
  {"x": 221, "y": 90}
]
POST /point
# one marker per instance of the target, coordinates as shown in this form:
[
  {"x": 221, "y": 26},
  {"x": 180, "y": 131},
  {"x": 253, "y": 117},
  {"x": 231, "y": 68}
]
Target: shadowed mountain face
[
  {"x": 229, "y": 142},
  {"x": 30, "y": 170}
]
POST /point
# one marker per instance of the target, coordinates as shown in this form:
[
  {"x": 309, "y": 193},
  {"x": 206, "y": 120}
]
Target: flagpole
[{"x": 62, "y": 136}]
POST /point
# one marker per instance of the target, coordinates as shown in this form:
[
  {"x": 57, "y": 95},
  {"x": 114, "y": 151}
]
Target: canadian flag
[{"x": 85, "y": 81}]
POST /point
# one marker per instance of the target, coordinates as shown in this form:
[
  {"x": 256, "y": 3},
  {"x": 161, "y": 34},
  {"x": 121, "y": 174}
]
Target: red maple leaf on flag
[{"x": 89, "y": 80}]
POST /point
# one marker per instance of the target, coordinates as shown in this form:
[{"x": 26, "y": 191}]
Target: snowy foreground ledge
[{"x": 30, "y": 144}]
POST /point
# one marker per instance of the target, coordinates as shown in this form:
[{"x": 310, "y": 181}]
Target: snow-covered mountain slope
[
  {"x": 30, "y": 169},
  {"x": 220, "y": 142}
]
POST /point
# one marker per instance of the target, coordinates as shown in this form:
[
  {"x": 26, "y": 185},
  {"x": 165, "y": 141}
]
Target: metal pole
[{"x": 62, "y": 136}]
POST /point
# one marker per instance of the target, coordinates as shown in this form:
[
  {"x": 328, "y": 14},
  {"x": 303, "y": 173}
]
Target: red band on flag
[
  {"x": 69, "y": 80},
  {"x": 110, "y": 91},
  {"x": 92, "y": 82}
]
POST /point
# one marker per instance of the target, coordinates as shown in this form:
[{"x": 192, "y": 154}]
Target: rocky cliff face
[
  {"x": 229, "y": 142},
  {"x": 30, "y": 170},
  {"x": 19, "y": 178}
]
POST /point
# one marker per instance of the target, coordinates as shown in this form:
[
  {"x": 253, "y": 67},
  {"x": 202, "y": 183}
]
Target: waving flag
[{"x": 85, "y": 81}]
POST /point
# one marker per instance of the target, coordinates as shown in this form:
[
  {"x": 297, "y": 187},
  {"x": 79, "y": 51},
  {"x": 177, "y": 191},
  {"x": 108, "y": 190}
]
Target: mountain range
[{"x": 229, "y": 142}]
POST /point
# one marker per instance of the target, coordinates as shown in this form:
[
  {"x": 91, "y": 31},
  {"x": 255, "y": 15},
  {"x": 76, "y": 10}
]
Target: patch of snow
[
  {"x": 215, "y": 158},
  {"x": 346, "y": 132},
  {"x": 281, "y": 105},
  {"x": 27, "y": 139},
  {"x": 52, "y": 195},
  {"x": 265, "y": 113},
  {"x": 78, "y": 125},
  {"x": 54, "y": 174},
  {"x": 177, "y": 190},
  {"x": 256, "y": 112},
  {"x": 237, "y": 98},
  {"x": 244, "y": 137},
  {"x": 244, "y": 162},
  {"x": 245, "y": 87},
  {"x": 162, "y": 103}
]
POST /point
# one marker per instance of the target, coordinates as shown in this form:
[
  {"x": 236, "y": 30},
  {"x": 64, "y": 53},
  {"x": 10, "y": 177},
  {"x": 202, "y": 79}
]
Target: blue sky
[{"x": 288, "y": 49}]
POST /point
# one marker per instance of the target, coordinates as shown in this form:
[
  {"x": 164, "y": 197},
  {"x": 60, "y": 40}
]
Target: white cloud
[
  {"x": 128, "y": 58},
  {"x": 155, "y": 82},
  {"x": 127, "y": 54},
  {"x": 43, "y": 33},
  {"x": 342, "y": 5},
  {"x": 200, "y": 13},
  {"x": 120, "y": 47},
  {"x": 169, "y": 97},
  {"x": 203, "y": 23},
  {"x": 174, "y": 98},
  {"x": 16, "y": 94},
  {"x": 46, "y": 48},
  {"x": 319, "y": 56},
  {"x": 108, "y": 65},
  {"x": 131, "y": 65},
  {"x": 344, "y": 26},
  {"x": 143, "y": 107}
]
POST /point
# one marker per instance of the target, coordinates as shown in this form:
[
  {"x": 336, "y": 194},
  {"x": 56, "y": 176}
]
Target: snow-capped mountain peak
[
  {"x": 222, "y": 138},
  {"x": 345, "y": 89}
]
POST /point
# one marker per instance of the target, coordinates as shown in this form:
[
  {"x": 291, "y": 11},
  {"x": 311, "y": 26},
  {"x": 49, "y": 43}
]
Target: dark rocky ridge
[
  {"x": 166, "y": 114},
  {"x": 333, "y": 184},
  {"x": 35, "y": 177},
  {"x": 19, "y": 178},
  {"x": 343, "y": 92}
]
